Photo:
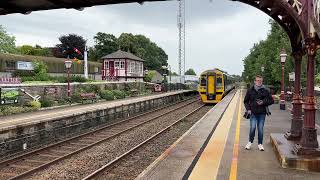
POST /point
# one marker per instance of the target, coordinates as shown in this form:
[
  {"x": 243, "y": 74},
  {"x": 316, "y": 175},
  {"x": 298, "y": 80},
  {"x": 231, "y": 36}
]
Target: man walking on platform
[{"x": 256, "y": 101}]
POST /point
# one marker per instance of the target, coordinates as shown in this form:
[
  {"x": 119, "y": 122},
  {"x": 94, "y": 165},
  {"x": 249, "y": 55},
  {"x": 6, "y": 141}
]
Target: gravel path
[{"x": 89, "y": 160}]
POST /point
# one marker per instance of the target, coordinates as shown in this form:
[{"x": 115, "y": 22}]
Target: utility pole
[{"x": 182, "y": 36}]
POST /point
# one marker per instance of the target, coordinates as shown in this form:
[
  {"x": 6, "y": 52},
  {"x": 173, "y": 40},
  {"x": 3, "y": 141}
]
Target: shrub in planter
[
  {"x": 35, "y": 104},
  {"x": 75, "y": 97},
  {"x": 9, "y": 110},
  {"x": 91, "y": 88},
  {"x": 119, "y": 94},
  {"x": 23, "y": 73},
  {"x": 46, "y": 102},
  {"x": 78, "y": 79},
  {"x": 107, "y": 95}
]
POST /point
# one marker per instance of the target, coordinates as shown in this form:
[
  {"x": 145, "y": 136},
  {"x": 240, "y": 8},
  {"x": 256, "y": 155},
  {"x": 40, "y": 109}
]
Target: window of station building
[
  {"x": 10, "y": 65},
  {"x": 137, "y": 68},
  {"x": 117, "y": 64},
  {"x": 132, "y": 64},
  {"x": 141, "y": 68},
  {"x": 122, "y": 64},
  {"x": 107, "y": 64}
]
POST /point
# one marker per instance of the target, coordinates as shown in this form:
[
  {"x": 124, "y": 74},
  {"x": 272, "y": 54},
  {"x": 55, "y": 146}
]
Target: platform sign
[
  {"x": 9, "y": 96},
  {"x": 292, "y": 76},
  {"x": 23, "y": 65}
]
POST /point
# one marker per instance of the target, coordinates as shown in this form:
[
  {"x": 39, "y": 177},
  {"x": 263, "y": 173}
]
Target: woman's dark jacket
[{"x": 251, "y": 98}]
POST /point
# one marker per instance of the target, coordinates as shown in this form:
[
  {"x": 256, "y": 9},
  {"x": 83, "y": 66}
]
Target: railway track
[
  {"x": 34, "y": 161},
  {"x": 112, "y": 163}
]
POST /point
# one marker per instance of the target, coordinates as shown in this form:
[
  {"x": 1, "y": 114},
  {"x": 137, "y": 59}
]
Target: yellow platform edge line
[
  {"x": 234, "y": 163},
  {"x": 208, "y": 164}
]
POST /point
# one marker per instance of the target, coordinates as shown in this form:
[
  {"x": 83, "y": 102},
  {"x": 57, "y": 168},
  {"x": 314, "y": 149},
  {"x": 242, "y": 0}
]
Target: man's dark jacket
[{"x": 251, "y": 98}]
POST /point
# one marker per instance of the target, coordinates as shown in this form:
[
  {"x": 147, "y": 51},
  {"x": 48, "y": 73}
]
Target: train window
[
  {"x": 203, "y": 81},
  {"x": 219, "y": 81}
]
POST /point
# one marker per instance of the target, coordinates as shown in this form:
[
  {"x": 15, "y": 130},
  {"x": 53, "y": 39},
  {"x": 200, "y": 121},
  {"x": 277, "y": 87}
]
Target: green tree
[
  {"x": 41, "y": 70},
  {"x": 266, "y": 53},
  {"x": 7, "y": 42},
  {"x": 127, "y": 42},
  {"x": 35, "y": 51},
  {"x": 69, "y": 42},
  {"x": 139, "y": 45},
  {"x": 190, "y": 72},
  {"x": 104, "y": 45}
]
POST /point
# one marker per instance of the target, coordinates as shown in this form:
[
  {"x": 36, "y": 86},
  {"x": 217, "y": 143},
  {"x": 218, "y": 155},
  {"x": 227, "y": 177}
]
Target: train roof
[{"x": 213, "y": 71}]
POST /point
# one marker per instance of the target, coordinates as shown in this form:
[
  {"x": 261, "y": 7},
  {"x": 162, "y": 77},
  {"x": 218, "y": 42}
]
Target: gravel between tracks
[
  {"x": 7, "y": 169},
  {"x": 82, "y": 164},
  {"x": 132, "y": 165}
]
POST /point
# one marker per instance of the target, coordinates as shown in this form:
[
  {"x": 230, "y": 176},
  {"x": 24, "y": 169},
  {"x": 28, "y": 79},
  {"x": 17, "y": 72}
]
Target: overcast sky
[{"x": 218, "y": 34}]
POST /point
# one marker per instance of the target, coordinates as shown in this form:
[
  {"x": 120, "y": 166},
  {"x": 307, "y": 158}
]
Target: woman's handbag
[{"x": 246, "y": 115}]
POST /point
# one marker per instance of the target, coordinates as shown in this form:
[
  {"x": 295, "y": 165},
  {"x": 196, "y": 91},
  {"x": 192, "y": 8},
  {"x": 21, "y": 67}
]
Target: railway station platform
[
  {"x": 214, "y": 148},
  {"x": 28, "y": 130}
]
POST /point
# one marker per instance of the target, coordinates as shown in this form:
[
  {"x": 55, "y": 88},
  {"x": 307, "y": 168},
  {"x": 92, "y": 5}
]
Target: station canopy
[{"x": 27, "y": 6}]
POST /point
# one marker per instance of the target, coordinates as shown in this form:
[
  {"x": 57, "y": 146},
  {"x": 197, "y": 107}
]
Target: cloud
[{"x": 218, "y": 34}]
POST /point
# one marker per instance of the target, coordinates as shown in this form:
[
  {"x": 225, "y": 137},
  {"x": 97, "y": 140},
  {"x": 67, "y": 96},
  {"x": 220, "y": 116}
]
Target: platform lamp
[
  {"x": 262, "y": 70},
  {"x": 68, "y": 64},
  {"x": 165, "y": 68},
  {"x": 283, "y": 57}
]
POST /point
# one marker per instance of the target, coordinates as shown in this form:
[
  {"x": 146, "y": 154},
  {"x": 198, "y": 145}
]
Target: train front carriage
[{"x": 214, "y": 85}]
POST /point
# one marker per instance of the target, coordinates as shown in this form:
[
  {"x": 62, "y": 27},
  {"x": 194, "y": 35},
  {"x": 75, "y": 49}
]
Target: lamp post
[
  {"x": 283, "y": 57},
  {"x": 262, "y": 70},
  {"x": 165, "y": 76},
  {"x": 68, "y": 65}
]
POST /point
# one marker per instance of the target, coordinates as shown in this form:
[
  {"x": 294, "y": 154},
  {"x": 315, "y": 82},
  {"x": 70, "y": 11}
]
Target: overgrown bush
[
  {"x": 9, "y": 110},
  {"x": 23, "y": 73},
  {"x": 78, "y": 79},
  {"x": 119, "y": 94},
  {"x": 47, "y": 102},
  {"x": 63, "y": 79},
  {"x": 35, "y": 104},
  {"x": 27, "y": 78},
  {"x": 75, "y": 97},
  {"x": 107, "y": 95},
  {"x": 91, "y": 88}
]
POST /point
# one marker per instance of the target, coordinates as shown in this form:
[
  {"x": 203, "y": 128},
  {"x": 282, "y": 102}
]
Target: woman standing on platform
[{"x": 256, "y": 101}]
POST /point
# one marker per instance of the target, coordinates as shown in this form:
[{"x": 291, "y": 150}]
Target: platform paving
[{"x": 247, "y": 164}]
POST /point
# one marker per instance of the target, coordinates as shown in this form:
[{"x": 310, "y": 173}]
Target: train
[{"x": 214, "y": 84}]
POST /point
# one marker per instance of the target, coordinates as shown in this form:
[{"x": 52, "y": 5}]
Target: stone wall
[
  {"x": 12, "y": 140},
  {"x": 59, "y": 90}
]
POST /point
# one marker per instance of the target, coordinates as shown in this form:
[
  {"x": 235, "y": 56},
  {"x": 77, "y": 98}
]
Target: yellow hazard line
[
  {"x": 208, "y": 164},
  {"x": 234, "y": 163}
]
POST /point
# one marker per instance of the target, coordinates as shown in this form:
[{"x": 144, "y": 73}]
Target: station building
[{"x": 122, "y": 66}]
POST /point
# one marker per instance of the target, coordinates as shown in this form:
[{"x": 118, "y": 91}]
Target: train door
[{"x": 211, "y": 87}]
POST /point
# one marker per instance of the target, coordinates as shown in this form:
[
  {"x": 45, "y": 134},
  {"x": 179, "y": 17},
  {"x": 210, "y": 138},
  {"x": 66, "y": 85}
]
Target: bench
[
  {"x": 88, "y": 96},
  {"x": 134, "y": 92}
]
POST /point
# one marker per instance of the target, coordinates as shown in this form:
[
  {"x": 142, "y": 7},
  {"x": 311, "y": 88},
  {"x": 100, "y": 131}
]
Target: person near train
[{"x": 256, "y": 102}]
